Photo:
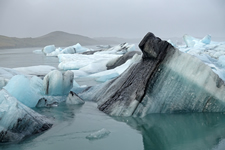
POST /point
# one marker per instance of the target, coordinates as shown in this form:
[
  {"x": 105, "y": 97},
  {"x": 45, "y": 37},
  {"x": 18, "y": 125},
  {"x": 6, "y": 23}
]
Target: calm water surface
[
  {"x": 198, "y": 131},
  {"x": 24, "y": 57}
]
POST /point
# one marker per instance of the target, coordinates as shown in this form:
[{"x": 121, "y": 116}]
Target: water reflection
[
  {"x": 62, "y": 113},
  {"x": 179, "y": 131}
]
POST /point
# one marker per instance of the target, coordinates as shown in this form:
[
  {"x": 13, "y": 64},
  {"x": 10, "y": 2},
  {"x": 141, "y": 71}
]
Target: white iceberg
[
  {"x": 68, "y": 50},
  {"x": 119, "y": 49},
  {"x": 58, "y": 84},
  {"x": 73, "y": 98},
  {"x": 48, "y": 49},
  {"x": 78, "y": 61}
]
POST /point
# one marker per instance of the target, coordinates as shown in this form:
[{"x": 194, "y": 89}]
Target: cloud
[{"x": 112, "y": 17}]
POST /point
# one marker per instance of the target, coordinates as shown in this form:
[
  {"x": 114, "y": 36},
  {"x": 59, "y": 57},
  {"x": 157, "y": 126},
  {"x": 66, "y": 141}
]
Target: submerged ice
[{"x": 98, "y": 134}]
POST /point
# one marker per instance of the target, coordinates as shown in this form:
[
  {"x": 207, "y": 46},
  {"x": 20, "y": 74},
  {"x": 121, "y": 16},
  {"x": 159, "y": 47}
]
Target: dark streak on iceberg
[
  {"x": 164, "y": 81},
  {"x": 17, "y": 121}
]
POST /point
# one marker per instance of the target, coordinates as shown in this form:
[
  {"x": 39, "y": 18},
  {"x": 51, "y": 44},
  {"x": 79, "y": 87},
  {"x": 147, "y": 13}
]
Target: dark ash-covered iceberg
[{"x": 165, "y": 80}]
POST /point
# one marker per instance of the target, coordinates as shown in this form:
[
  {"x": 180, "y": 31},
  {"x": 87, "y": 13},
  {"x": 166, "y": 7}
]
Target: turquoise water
[{"x": 72, "y": 123}]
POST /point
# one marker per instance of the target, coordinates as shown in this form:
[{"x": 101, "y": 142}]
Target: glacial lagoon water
[{"x": 197, "y": 131}]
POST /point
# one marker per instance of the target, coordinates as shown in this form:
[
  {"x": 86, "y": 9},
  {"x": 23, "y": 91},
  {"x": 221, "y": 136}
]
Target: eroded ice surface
[
  {"x": 55, "y": 87},
  {"x": 80, "y": 61},
  {"x": 48, "y": 49},
  {"x": 210, "y": 52},
  {"x": 164, "y": 81},
  {"x": 68, "y": 50},
  {"x": 17, "y": 120}
]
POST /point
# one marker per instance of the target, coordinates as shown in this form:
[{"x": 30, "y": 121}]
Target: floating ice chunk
[
  {"x": 49, "y": 49},
  {"x": 58, "y": 84},
  {"x": 189, "y": 40},
  {"x": 98, "y": 134},
  {"x": 55, "y": 53},
  {"x": 206, "y": 39},
  {"x": 55, "y": 87},
  {"x": 104, "y": 46},
  {"x": 73, "y": 98},
  {"x": 40, "y": 70},
  {"x": 69, "y": 50},
  {"x": 79, "y": 48},
  {"x": 25, "y": 90},
  {"x": 18, "y": 121},
  {"x": 77, "y": 61},
  {"x": 119, "y": 49},
  {"x": 39, "y": 51}
]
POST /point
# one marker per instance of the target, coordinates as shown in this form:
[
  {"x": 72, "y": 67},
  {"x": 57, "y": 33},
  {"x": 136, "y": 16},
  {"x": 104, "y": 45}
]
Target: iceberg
[
  {"x": 27, "y": 91},
  {"x": 206, "y": 39},
  {"x": 165, "y": 80},
  {"x": 56, "y": 83},
  {"x": 119, "y": 49},
  {"x": 87, "y": 63},
  {"x": 48, "y": 49},
  {"x": 73, "y": 98},
  {"x": 68, "y": 50},
  {"x": 210, "y": 52},
  {"x": 54, "y": 88},
  {"x": 18, "y": 121}
]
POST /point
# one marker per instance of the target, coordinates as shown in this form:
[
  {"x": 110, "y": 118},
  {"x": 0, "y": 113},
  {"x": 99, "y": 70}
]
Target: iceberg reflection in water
[
  {"x": 153, "y": 132},
  {"x": 180, "y": 131}
]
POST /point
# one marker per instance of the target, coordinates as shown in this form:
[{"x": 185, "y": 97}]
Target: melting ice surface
[
  {"x": 73, "y": 123},
  {"x": 210, "y": 52}
]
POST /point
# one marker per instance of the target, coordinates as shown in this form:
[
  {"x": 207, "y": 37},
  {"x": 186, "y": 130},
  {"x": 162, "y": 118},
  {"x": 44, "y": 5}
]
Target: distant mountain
[{"x": 58, "y": 38}]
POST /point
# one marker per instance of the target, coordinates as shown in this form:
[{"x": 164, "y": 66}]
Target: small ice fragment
[
  {"x": 98, "y": 134},
  {"x": 73, "y": 98}
]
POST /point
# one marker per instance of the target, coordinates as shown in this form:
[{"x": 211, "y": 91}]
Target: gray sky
[{"x": 113, "y": 18}]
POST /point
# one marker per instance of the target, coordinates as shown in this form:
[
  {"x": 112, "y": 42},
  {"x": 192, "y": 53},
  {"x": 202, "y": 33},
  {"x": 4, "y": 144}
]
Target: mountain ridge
[{"x": 58, "y": 38}]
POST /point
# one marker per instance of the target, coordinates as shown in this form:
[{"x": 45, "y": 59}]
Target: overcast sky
[{"x": 113, "y": 18}]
